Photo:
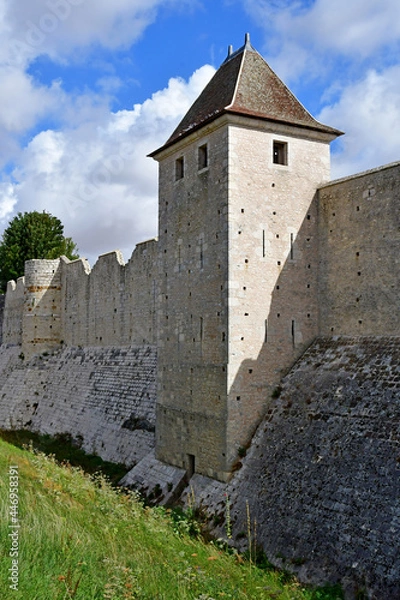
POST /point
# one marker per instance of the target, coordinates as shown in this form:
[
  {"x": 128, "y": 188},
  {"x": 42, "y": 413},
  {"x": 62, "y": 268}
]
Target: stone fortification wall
[
  {"x": 78, "y": 352},
  {"x": 2, "y": 304},
  {"x": 75, "y": 302},
  {"x": 41, "y": 319},
  {"x": 114, "y": 304},
  {"x": 93, "y": 301},
  {"x": 141, "y": 285},
  {"x": 273, "y": 249},
  {"x": 62, "y": 302},
  {"x": 322, "y": 476},
  {"x": 103, "y": 396},
  {"x": 13, "y": 310},
  {"x": 192, "y": 325},
  {"x": 359, "y": 237}
]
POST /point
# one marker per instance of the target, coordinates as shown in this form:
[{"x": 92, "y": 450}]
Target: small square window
[
  {"x": 179, "y": 168},
  {"x": 203, "y": 157},
  {"x": 279, "y": 153}
]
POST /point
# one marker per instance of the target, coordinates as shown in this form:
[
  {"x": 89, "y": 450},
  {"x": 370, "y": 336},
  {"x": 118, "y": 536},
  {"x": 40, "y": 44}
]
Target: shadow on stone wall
[
  {"x": 2, "y": 305},
  {"x": 290, "y": 326},
  {"x": 322, "y": 476},
  {"x": 324, "y": 468}
]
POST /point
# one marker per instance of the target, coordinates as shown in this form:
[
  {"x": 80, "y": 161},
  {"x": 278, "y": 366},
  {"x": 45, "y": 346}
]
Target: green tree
[{"x": 32, "y": 235}]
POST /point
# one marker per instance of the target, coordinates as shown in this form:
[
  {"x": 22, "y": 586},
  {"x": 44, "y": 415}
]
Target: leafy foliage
[{"x": 28, "y": 236}]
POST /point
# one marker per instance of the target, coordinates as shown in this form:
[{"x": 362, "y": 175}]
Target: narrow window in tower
[
  {"x": 293, "y": 333},
  {"x": 266, "y": 331},
  {"x": 263, "y": 243},
  {"x": 179, "y": 168},
  {"x": 203, "y": 157},
  {"x": 279, "y": 153},
  {"x": 201, "y": 329},
  {"x": 291, "y": 246}
]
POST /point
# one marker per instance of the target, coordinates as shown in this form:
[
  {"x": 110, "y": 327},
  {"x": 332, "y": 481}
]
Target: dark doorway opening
[{"x": 190, "y": 465}]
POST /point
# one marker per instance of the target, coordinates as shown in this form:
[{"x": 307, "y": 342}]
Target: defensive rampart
[
  {"x": 61, "y": 302},
  {"x": 321, "y": 477},
  {"x": 13, "y": 310},
  {"x": 79, "y": 353},
  {"x": 321, "y": 480},
  {"x": 104, "y": 397},
  {"x": 359, "y": 254}
]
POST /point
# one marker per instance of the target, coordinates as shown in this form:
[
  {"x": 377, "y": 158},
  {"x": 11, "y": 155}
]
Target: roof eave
[
  {"x": 320, "y": 127},
  {"x": 186, "y": 134},
  {"x": 316, "y": 126}
]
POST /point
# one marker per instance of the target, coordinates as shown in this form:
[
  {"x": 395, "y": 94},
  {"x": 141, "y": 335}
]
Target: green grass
[
  {"x": 81, "y": 538},
  {"x": 65, "y": 449}
]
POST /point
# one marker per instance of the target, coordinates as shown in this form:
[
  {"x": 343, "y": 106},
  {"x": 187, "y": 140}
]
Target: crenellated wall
[
  {"x": 75, "y": 302},
  {"x": 140, "y": 298},
  {"x": 257, "y": 258},
  {"x": 65, "y": 302}
]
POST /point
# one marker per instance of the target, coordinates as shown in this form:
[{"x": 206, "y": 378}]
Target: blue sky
[{"x": 90, "y": 87}]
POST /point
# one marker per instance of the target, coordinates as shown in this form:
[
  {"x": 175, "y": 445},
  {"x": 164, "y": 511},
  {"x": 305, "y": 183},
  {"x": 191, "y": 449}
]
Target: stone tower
[
  {"x": 41, "y": 319},
  {"x": 238, "y": 260}
]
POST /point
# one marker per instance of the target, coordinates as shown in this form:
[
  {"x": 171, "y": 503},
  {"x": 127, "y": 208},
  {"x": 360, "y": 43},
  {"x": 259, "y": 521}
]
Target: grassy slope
[
  {"x": 86, "y": 541},
  {"x": 65, "y": 449}
]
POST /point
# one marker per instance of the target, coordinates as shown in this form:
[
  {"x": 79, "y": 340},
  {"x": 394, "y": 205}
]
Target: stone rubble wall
[
  {"x": 159, "y": 482},
  {"x": 103, "y": 396},
  {"x": 322, "y": 476}
]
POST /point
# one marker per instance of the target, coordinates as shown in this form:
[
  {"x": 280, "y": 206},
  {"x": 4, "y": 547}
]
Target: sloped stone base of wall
[
  {"x": 322, "y": 476},
  {"x": 160, "y": 483},
  {"x": 321, "y": 480},
  {"x": 103, "y": 396}
]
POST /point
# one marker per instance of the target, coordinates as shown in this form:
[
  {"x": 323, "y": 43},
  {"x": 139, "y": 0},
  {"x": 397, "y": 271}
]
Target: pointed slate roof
[{"x": 246, "y": 85}]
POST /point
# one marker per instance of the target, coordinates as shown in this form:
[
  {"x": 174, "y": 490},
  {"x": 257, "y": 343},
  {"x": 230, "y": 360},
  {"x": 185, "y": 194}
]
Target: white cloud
[
  {"x": 305, "y": 38},
  {"x": 369, "y": 112},
  {"x": 359, "y": 27},
  {"x": 29, "y": 28},
  {"x": 16, "y": 113},
  {"x": 349, "y": 53},
  {"x": 59, "y": 27},
  {"x": 96, "y": 177},
  {"x": 92, "y": 172},
  {"x": 8, "y": 200},
  {"x": 24, "y": 103}
]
